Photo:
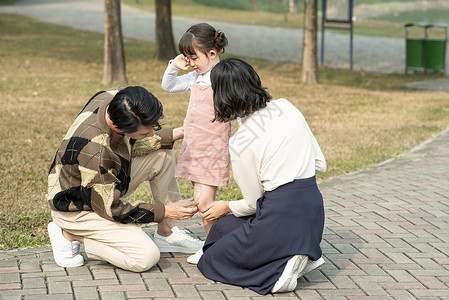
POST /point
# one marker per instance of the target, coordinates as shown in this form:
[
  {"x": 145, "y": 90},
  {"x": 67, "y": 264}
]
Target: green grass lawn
[
  {"x": 432, "y": 16},
  {"x": 48, "y": 72}
]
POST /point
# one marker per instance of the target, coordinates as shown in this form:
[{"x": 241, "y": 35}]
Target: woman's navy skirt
[{"x": 253, "y": 251}]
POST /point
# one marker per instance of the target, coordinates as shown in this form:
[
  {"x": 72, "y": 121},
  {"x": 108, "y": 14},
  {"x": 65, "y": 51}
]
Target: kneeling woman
[{"x": 271, "y": 237}]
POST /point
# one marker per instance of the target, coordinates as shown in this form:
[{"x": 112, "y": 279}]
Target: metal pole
[
  {"x": 445, "y": 51},
  {"x": 406, "y": 39},
  {"x": 351, "y": 50},
  {"x": 426, "y": 37},
  {"x": 322, "y": 30}
]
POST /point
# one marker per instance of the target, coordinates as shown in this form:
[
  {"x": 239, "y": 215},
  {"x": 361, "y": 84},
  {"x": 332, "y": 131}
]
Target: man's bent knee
[
  {"x": 143, "y": 257},
  {"x": 143, "y": 263}
]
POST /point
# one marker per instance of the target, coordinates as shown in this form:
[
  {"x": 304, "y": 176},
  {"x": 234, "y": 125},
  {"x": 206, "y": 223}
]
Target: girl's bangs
[{"x": 186, "y": 45}]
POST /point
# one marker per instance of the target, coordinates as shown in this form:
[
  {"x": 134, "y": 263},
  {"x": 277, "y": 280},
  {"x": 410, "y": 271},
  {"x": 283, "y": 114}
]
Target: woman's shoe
[
  {"x": 312, "y": 265},
  {"x": 195, "y": 258},
  {"x": 289, "y": 278}
]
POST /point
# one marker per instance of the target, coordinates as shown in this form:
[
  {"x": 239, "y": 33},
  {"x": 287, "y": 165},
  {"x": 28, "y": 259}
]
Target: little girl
[{"x": 204, "y": 155}]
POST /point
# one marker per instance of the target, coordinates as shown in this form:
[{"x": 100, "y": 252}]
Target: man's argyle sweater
[{"x": 91, "y": 169}]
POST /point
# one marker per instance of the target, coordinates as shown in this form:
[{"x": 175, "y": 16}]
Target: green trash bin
[
  {"x": 434, "y": 54},
  {"x": 414, "y": 55},
  {"x": 425, "y": 53},
  {"x": 414, "y": 47},
  {"x": 435, "y": 51}
]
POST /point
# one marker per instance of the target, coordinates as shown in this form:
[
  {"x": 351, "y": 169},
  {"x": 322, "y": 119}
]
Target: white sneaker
[
  {"x": 66, "y": 253},
  {"x": 193, "y": 259},
  {"x": 289, "y": 278},
  {"x": 178, "y": 241},
  {"x": 312, "y": 265}
]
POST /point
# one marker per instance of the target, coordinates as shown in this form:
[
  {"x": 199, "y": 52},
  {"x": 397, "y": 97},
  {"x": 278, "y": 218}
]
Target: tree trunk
[
  {"x": 114, "y": 53},
  {"x": 293, "y": 7},
  {"x": 309, "y": 70},
  {"x": 284, "y": 6},
  {"x": 165, "y": 46},
  {"x": 254, "y": 5}
]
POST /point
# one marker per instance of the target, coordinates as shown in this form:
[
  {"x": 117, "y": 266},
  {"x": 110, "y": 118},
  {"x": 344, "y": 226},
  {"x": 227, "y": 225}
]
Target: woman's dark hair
[
  {"x": 204, "y": 38},
  {"x": 134, "y": 106},
  {"x": 238, "y": 91}
]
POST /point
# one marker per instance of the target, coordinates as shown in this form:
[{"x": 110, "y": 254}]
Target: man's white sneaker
[
  {"x": 312, "y": 265},
  {"x": 289, "y": 277},
  {"x": 66, "y": 253},
  {"x": 193, "y": 259},
  {"x": 178, "y": 241}
]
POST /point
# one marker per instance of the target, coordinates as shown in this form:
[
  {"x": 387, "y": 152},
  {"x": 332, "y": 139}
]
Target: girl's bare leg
[{"x": 204, "y": 195}]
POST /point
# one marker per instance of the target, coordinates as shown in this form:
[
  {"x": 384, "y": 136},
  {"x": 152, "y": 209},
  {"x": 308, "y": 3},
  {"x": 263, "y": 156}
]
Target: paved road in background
[
  {"x": 378, "y": 54},
  {"x": 386, "y": 233}
]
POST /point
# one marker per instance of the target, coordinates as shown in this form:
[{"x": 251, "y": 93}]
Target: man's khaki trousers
[{"x": 126, "y": 245}]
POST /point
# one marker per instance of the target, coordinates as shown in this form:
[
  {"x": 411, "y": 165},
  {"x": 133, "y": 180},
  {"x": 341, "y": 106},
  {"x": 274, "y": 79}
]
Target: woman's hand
[
  {"x": 215, "y": 210},
  {"x": 181, "y": 62},
  {"x": 179, "y": 210}
]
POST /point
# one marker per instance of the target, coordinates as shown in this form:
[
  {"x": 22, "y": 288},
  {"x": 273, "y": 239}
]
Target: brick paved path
[{"x": 386, "y": 237}]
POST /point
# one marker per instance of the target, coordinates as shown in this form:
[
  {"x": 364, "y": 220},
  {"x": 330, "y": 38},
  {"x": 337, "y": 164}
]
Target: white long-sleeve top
[
  {"x": 173, "y": 83},
  {"x": 272, "y": 147}
]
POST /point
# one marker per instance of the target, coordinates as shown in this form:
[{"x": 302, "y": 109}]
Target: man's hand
[
  {"x": 178, "y": 133},
  {"x": 179, "y": 210},
  {"x": 181, "y": 62},
  {"x": 215, "y": 210}
]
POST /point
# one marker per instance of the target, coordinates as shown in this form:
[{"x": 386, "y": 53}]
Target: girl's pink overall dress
[{"x": 204, "y": 154}]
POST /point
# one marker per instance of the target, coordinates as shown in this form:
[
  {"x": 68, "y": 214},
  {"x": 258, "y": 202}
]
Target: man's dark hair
[
  {"x": 134, "y": 106},
  {"x": 238, "y": 91}
]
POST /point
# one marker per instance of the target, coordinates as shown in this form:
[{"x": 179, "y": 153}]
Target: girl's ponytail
[{"x": 220, "y": 41}]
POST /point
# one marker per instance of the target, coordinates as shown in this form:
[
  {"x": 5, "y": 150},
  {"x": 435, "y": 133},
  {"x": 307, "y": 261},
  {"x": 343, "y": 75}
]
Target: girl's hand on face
[{"x": 181, "y": 62}]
